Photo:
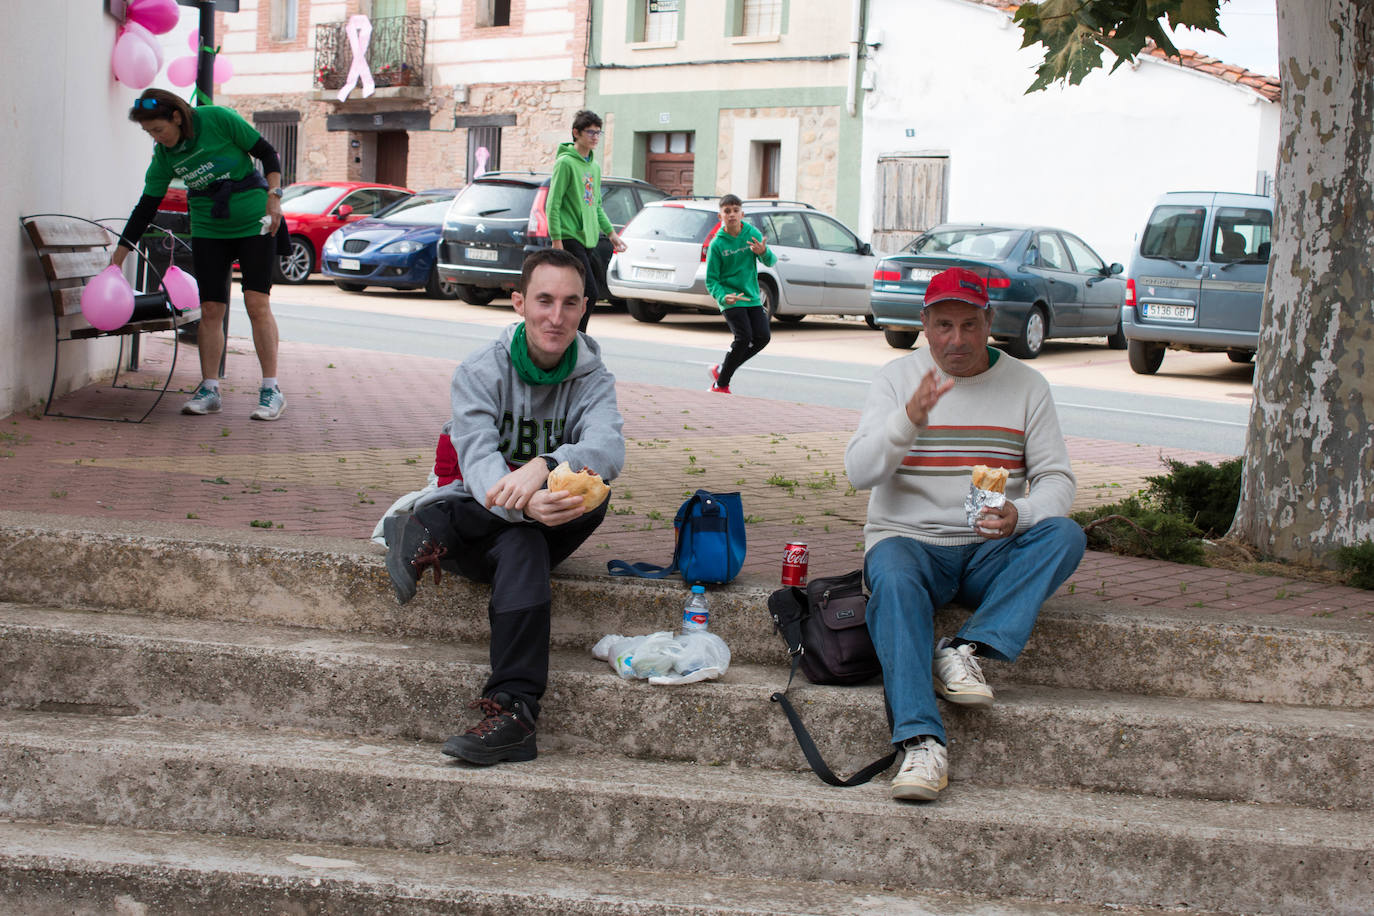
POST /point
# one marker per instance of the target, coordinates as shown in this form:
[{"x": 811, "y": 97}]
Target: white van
[{"x": 1196, "y": 279}]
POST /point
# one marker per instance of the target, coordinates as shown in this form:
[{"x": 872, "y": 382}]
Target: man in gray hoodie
[{"x": 538, "y": 396}]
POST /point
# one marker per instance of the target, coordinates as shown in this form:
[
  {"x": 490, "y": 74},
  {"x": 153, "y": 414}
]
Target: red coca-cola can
[{"x": 795, "y": 558}]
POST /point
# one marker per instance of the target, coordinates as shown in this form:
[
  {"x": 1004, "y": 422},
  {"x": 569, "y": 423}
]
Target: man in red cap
[{"x": 930, "y": 418}]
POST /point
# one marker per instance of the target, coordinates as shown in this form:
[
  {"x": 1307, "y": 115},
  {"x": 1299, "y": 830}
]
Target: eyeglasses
[
  {"x": 592, "y": 132},
  {"x": 149, "y": 104}
]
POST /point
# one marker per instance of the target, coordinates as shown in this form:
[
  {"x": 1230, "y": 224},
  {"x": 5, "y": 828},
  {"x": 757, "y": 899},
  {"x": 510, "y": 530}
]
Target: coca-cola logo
[{"x": 796, "y": 555}]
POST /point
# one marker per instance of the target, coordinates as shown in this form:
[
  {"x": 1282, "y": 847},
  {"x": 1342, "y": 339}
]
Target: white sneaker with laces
[
  {"x": 271, "y": 402},
  {"x": 205, "y": 400},
  {"x": 959, "y": 677},
  {"x": 924, "y": 771}
]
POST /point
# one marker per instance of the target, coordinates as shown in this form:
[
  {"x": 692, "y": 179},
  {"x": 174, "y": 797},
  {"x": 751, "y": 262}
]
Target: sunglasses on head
[{"x": 149, "y": 104}]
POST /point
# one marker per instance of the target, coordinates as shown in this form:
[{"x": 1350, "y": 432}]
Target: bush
[
  {"x": 1202, "y": 493},
  {"x": 1134, "y": 528},
  {"x": 1359, "y": 563}
]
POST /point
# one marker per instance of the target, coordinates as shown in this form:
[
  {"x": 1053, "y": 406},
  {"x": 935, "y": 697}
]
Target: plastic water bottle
[{"x": 695, "y": 614}]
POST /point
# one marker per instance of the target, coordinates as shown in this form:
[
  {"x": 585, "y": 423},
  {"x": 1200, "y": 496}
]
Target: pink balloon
[
  {"x": 107, "y": 302},
  {"x": 193, "y": 42},
  {"x": 181, "y": 289},
  {"x": 224, "y": 71},
  {"x": 182, "y": 71},
  {"x": 157, "y": 16},
  {"x": 137, "y": 57}
]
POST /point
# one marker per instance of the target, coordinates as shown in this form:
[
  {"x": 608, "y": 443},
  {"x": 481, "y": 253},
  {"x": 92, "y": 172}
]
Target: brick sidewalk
[{"x": 360, "y": 428}]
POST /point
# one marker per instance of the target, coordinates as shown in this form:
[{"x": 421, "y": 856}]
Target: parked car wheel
[
  {"x": 1145, "y": 358},
  {"x": 350, "y": 287},
  {"x": 439, "y": 288},
  {"x": 902, "y": 340},
  {"x": 297, "y": 266},
  {"x": 1240, "y": 356},
  {"x": 648, "y": 312},
  {"x": 1117, "y": 341},
  {"x": 871, "y": 321},
  {"x": 1031, "y": 340},
  {"x": 769, "y": 295},
  {"x": 476, "y": 295}
]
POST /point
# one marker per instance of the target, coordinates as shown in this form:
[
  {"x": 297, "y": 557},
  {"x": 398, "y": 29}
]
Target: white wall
[
  {"x": 68, "y": 148},
  {"x": 950, "y": 77}
]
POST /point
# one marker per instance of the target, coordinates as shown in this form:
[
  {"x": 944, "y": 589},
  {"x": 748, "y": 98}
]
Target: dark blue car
[
  {"x": 395, "y": 248},
  {"x": 1042, "y": 283}
]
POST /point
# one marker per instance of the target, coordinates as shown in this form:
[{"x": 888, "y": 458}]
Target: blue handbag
[{"x": 709, "y": 529}]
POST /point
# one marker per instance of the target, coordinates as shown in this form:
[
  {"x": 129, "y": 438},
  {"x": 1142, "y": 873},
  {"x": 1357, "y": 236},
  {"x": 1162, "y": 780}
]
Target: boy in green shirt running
[{"x": 732, "y": 279}]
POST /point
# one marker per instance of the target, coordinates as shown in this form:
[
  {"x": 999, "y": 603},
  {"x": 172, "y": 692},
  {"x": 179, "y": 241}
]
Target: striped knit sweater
[{"x": 1003, "y": 417}]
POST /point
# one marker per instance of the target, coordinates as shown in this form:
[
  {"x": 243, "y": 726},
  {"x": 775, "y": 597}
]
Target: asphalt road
[{"x": 1197, "y": 401}]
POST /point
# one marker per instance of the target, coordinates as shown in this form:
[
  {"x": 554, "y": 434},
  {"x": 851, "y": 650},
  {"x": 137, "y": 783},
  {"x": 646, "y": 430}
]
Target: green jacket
[
  {"x": 574, "y": 203},
  {"x": 219, "y": 151},
  {"x": 731, "y": 267}
]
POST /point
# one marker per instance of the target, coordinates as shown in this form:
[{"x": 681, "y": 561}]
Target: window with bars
[
  {"x": 660, "y": 20},
  {"x": 484, "y": 150},
  {"x": 282, "y": 20},
  {"x": 760, "y": 18},
  {"x": 279, "y": 128}
]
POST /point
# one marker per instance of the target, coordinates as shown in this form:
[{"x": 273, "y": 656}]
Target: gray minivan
[{"x": 1196, "y": 280}]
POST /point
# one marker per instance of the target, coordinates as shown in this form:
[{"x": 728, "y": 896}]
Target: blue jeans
[{"x": 1005, "y": 580}]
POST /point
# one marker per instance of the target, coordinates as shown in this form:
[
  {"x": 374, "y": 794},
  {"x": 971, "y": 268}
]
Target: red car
[{"x": 314, "y": 209}]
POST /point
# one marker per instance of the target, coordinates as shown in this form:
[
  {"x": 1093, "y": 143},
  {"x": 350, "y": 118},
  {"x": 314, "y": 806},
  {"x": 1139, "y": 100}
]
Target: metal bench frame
[{"x": 71, "y": 250}]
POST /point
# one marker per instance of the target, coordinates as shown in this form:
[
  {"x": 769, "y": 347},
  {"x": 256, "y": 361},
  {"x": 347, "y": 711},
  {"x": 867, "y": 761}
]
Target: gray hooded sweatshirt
[{"x": 500, "y": 422}]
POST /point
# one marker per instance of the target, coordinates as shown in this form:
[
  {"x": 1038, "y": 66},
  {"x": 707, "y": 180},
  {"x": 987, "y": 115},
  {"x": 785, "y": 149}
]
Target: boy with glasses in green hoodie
[{"x": 576, "y": 217}]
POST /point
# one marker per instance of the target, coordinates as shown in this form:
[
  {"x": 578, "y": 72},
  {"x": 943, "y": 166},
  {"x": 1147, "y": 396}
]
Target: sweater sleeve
[
  {"x": 713, "y": 265},
  {"x": 553, "y": 203},
  {"x": 137, "y": 223},
  {"x": 476, "y": 436},
  {"x": 593, "y": 436},
  {"x": 884, "y": 436},
  {"x": 1050, "y": 480},
  {"x": 603, "y": 221}
]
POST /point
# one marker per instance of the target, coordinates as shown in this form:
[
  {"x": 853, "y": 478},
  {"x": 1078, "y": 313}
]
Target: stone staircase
[{"x": 221, "y": 723}]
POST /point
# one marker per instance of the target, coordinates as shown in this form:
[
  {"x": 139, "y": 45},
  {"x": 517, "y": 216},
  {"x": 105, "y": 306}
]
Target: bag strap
[
  {"x": 813, "y": 754},
  {"x": 641, "y": 570}
]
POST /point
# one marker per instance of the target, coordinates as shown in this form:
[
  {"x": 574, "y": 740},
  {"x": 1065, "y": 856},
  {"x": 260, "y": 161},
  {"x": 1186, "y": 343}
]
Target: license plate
[
  {"x": 1169, "y": 312},
  {"x": 482, "y": 254},
  {"x": 653, "y": 274},
  {"x": 922, "y": 274},
  {"x": 349, "y": 264}
]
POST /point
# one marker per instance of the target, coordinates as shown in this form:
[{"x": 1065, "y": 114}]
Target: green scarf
[{"x": 532, "y": 374}]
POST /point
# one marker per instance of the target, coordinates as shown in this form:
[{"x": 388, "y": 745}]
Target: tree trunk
[{"x": 1309, "y": 457}]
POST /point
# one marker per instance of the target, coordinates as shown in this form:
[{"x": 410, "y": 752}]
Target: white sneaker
[
  {"x": 271, "y": 402},
  {"x": 958, "y": 676},
  {"x": 205, "y": 400},
  {"x": 924, "y": 771}
]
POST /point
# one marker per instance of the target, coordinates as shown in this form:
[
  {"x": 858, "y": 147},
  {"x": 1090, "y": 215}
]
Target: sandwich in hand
[
  {"x": 994, "y": 480},
  {"x": 585, "y": 483}
]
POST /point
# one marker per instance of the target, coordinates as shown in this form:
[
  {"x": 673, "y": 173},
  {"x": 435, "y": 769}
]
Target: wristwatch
[{"x": 275, "y": 192}]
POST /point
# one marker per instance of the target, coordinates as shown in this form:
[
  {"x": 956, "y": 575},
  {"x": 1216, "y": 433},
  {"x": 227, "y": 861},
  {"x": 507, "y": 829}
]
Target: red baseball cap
[{"x": 957, "y": 284}]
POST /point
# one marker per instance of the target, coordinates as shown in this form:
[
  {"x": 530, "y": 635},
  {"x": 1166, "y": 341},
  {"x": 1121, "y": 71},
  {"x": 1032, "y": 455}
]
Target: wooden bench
[{"x": 72, "y": 250}]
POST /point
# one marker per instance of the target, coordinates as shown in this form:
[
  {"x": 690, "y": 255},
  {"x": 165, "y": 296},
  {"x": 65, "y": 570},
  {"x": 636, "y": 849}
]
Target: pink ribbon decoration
[{"x": 359, "y": 32}]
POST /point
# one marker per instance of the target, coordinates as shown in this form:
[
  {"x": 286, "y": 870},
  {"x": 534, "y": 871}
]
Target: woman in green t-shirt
[{"x": 235, "y": 214}]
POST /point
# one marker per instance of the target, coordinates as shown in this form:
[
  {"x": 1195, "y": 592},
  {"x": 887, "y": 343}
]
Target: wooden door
[
  {"x": 909, "y": 198},
  {"x": 673, "y": 172},
  {"x": 393, "y": 148}
]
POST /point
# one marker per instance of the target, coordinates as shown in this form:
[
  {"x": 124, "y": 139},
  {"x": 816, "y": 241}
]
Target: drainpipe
[{"x": 855, "y": 39}]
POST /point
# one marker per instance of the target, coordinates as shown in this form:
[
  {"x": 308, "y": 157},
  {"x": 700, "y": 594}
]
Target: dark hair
[
  {"x": 584, "y": 119},
  {"x": 730, "y": 200},
  {"x": 554, "y": 257},
  {"x": 159, "y": 105}
]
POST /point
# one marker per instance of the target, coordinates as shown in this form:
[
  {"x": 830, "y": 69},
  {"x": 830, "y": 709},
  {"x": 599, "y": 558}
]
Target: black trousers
[
  {"x": 749, "y": 324},
  {"x": 589, "y": 287},
  {"x": 515, "y": 558}
]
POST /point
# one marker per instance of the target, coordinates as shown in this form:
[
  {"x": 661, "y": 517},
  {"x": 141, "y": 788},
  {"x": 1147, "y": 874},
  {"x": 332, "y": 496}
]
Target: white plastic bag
[{"x": 663, "y": 658}]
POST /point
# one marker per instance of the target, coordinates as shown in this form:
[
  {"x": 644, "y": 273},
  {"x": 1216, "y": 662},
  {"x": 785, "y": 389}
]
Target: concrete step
[
  {"x": 342, "y": 586},
  {"x": 81, "y": 870},
  {"x": 1088, "y": 847},
  {"x": 194, "y": 670}
]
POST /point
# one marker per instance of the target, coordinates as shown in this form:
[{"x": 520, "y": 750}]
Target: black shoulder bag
[{"x": 827, "y": 637}]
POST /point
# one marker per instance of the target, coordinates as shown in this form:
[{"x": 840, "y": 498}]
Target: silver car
[{"x": 823, "y": 268}]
